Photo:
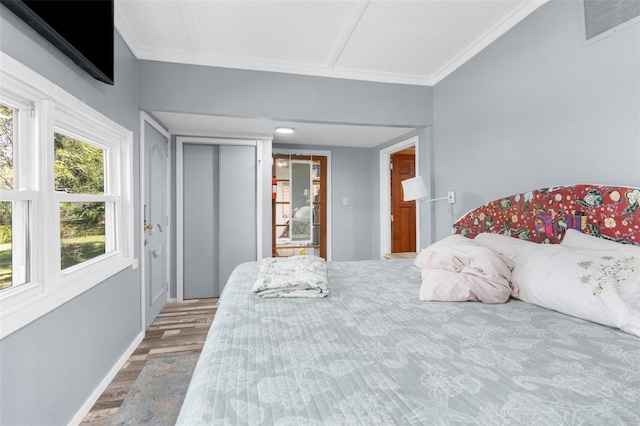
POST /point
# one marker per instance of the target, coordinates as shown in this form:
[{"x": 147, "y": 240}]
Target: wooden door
[
  {"x": 403, "y": 213},
  {"x": 284, "y": 209}
]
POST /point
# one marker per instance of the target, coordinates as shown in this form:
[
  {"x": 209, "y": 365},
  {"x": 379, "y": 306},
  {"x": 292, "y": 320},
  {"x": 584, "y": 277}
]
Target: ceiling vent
[{"x": 604, "y": 17}]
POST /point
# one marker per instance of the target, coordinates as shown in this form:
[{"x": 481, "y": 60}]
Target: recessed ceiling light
[{"x": 284, "y": 130}]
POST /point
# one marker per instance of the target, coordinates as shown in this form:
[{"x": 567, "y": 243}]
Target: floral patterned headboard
[{"x": 544, "y": 215}]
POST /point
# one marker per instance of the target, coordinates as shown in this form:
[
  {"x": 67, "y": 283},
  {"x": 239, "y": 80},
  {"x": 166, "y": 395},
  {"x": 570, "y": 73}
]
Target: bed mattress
[{"x": 372, "y": 353}]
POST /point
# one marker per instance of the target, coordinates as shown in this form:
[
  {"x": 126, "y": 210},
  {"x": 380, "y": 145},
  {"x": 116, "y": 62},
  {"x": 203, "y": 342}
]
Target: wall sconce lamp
[{"x": 414, "y": 189}]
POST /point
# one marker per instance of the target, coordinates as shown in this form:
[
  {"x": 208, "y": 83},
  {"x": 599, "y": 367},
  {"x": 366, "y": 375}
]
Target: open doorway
[
  {"x": 299, "y": 205},
  {"x": 399, "y": 219},
  {"x": 403, "y": 213}
]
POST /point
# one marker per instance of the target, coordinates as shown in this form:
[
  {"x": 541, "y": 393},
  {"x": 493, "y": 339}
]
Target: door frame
[
  {"x": 318, "y": 153},
  {"x": 144, "y": 119},
  {"x": 385, "y": 191},
  {"x": 180, "y": 142}
]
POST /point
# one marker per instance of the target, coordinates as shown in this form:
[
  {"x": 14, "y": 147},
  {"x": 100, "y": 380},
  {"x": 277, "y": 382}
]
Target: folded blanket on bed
[
  {"x": 485, "y": 277},
  {"x": 295, "y": 276}
]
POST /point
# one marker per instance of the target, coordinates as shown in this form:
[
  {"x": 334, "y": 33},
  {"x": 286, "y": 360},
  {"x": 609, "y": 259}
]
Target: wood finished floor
[{"x": 180, "y": 329}]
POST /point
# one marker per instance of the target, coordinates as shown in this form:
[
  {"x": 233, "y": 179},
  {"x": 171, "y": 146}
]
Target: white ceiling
[{"x": 394, "y": 41}]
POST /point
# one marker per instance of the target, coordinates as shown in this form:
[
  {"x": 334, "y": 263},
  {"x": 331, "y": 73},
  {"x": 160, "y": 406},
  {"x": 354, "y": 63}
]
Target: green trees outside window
[
  {"x": 79, "y": 168},
  {"x": 6, "y": 183}
]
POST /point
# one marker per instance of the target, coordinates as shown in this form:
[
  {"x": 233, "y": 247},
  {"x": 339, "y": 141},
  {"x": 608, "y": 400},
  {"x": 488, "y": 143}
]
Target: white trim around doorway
[
  {"x": 319, "y": 153},
  {"x": 180, "y": 141},
  {"x": 385, "y": 192}
]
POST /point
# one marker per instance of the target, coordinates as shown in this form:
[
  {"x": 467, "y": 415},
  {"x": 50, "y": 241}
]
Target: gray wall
[
  {"x": 539, "y": 107},
  {"x": 51, "y": 366},
  {"x": 351, "y": 224},
  {"x": 256, "y": 94}
]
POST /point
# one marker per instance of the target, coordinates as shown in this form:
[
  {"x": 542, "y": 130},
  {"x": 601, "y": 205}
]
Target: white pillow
[
  {"x": 590, "y": 284},
  {"x": 455, "y": 245},
  {"x": 509, "y": 246},
  {"x": 576, "y": 239}
]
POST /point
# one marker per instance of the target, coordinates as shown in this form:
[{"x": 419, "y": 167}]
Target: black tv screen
[{"x": 83, "y": 30}]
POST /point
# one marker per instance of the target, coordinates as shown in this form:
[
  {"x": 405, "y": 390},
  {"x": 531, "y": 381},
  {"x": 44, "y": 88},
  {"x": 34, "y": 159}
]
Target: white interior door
[{"x": 155, "y": 244}]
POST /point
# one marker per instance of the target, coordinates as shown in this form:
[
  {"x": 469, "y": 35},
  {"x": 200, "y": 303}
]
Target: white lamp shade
[{"x": 414, "y": 189}]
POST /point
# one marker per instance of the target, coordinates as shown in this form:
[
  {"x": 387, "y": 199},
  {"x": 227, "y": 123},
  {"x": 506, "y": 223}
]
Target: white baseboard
[{"x": 90, "y": 402}]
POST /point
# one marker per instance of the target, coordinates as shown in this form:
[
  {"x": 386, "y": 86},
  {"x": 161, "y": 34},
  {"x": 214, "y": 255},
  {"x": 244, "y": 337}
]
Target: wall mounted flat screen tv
[{"x": 83, "y": 30}]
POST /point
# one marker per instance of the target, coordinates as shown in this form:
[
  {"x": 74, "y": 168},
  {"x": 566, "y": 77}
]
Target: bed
[{"x": 372, "y": 353}]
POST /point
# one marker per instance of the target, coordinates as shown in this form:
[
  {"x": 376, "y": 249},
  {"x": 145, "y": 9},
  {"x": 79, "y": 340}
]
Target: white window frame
[
  {"x": 25, "y": 180},
  {"x": 49, "y": 110}
]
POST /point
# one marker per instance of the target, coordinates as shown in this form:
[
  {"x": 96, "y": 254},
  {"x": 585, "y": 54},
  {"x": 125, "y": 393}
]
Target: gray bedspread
[{"x": 371, "y": 353}]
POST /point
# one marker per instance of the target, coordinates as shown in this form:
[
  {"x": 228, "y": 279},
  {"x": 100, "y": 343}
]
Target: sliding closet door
[
  {"x": 200, "y": 206},
  {"x": 237, "y": 209},
  {"x": 219, "y": 211}
]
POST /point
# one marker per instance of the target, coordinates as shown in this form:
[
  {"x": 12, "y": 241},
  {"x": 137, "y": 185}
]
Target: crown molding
[{"x": 329, "y": 70}]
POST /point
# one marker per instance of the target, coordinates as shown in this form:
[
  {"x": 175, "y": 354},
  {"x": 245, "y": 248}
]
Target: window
[
  {"x": 79, "y": 172},
  {"x": 66, "y": 211},
  {"x": 6, "y": 207},
  {"x": 16, "y": 202}
]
